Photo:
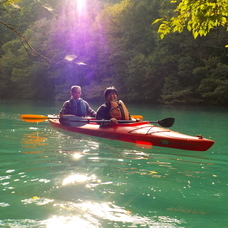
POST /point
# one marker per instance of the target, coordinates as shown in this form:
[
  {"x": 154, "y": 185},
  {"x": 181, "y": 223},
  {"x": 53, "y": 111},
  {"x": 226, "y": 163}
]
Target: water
[{"x": 52, "y": 178}]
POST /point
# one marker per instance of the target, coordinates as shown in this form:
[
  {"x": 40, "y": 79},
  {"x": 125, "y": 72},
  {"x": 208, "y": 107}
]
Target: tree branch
[{"x": 26, "y": 43}]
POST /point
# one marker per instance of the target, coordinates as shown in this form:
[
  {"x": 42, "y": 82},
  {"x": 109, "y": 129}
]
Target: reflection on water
[
  {"x": 33, "y": 140},
  {"x": 89, "y": 214}
]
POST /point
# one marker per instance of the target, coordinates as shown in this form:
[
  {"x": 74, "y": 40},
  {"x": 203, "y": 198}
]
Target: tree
[
  {"x": 16, "y": 16},
  {"x": 198, "y": 17},
  {"x": 115, "y": 46},
  {"x": 214, "y": 85},
  {"x": 131, "y": 42}
]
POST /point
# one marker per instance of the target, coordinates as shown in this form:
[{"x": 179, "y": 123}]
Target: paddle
[
  {"x": 74, "y": 121},
  {"x": 67, "y": 120},
  {"x": 40, "y": 118}
]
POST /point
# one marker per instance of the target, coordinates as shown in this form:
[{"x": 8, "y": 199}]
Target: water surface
[{"x": 53, "y": 178}]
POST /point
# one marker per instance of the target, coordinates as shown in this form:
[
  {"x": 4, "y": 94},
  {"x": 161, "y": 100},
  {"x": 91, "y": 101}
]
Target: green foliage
[
  {"x": 130, "y": 41},
  {"x": 9, "y": 2},
  {"x": 113, "y": 44},
  {"x": 198, "y": 17},
  {"x": 215, "y": 84}
]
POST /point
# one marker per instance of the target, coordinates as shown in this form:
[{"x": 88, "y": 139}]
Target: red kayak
[{"x": 140, "y": 133}]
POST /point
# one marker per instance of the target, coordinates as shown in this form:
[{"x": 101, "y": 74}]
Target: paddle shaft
[
  {"x": 167, "y": 122},
  {"x": 28, "y": 117},
  {"x": 109, "y": 121}
]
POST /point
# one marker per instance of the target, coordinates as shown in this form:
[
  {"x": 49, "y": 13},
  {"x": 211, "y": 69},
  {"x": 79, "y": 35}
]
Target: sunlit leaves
[
  {"x": 198, "y": 17},
  {"x": 9, "y": 2}
]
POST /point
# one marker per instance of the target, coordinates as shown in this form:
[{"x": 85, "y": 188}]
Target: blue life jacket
[{"x": 77, "y": 108}]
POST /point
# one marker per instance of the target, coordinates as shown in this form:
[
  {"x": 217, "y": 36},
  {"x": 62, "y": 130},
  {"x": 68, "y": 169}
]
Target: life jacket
[
  {"x": 77, "y": 108},
  {"x": 118, "y": 110}
]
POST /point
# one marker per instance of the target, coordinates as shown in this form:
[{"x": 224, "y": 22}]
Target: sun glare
[
  {"x": 75, "y": 178},
  {"x": 81, "y": 6}
]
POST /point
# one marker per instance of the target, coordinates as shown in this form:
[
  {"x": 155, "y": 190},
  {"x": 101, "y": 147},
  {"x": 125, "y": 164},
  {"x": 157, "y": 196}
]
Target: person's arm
[
  {"x": 64, "y": 109},
  {"x": 103, "y": 114},
  {"x": 89, "y": 110}
]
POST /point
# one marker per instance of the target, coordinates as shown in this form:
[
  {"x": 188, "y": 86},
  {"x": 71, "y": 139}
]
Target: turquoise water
[{"x": 52, "y": 178}]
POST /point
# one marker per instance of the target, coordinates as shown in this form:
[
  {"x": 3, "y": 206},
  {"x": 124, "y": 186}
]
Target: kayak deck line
[
  {"x": 140, "y": 133},
  {"x": 151, "y": 131},
  {"x": 148, "y": 131}
]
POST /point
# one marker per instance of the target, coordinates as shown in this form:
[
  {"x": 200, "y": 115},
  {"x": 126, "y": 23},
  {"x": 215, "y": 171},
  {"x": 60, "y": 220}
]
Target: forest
[{"x": 49, "y": 45}]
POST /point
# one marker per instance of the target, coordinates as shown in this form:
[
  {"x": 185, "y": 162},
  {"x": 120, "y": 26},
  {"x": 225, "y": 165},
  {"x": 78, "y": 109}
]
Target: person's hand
[{"x": 114, "y": 121}]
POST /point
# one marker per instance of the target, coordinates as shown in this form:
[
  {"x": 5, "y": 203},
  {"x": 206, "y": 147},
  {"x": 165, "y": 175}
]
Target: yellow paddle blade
[
  {"x": 33, "y": 118},
  {"x": 137, "y": 117}
]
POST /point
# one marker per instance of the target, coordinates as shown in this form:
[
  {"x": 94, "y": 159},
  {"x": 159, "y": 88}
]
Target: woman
[{"x": 113, "y": 109}]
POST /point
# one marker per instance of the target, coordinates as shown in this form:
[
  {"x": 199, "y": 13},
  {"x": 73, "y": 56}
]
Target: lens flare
[{"x": 81, "y": 6}]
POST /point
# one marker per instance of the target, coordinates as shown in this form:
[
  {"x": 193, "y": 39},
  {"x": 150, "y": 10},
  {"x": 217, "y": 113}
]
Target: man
[
  {"x": 76, "y": 105},
  {"x": 113, "y": 109}
]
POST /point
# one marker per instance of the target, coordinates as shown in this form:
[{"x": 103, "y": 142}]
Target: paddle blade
[
  {"x": 137, "y": 117},
  {"x": 167, "y": 122},
  {"x": 33, "y": 118}
]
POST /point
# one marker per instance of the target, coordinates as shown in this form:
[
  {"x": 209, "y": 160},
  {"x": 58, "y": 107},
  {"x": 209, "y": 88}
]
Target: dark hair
[{"x": 109, "y": 90}]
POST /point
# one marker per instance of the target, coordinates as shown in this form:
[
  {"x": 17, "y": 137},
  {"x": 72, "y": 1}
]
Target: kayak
[{"x": 140, "y": 133}]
